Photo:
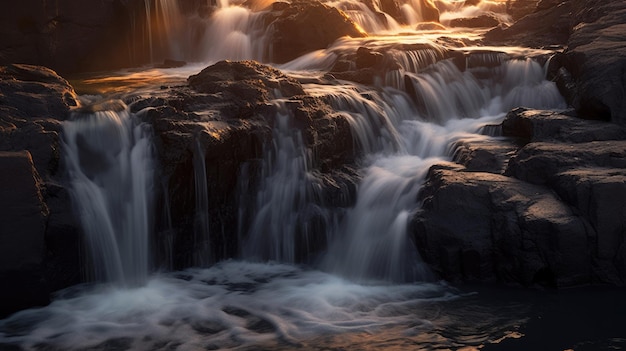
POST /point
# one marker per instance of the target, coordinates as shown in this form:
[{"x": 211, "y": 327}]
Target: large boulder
[
  {"x": 486, "y": 227},
  {"x": 227, "y": 114},
  {"x": 306, "y": 26}
]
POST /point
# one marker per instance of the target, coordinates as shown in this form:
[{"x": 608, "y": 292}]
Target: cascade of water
[
  {"x": 110, "y": 161},
  {"x": 372, "y": 241},
  {"x": 202, "y": 241},
  {"x": 283, "y": 197}
]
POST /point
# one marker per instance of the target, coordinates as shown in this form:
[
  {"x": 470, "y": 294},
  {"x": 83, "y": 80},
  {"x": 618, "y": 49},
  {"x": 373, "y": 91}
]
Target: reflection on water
[{"x": 251, "y": 306}]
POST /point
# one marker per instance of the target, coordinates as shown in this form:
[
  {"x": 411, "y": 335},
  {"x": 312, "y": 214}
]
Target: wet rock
[
  {"x": 306, "y": 26},
  {"x": 486, "y": 227},
  {"x": 482, "y": 21},
  {"x": 589, "y": 72},
  {"x": 228, "y": 113},
  {"x": 23, "y": 216},
  {"x": 520, "y": 8}
]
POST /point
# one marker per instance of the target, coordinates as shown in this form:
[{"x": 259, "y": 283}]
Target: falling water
[
  {"x": 283, "y": 195},
  {"x": 202, "y": 240},
  {"x": 110, "y": 162}
]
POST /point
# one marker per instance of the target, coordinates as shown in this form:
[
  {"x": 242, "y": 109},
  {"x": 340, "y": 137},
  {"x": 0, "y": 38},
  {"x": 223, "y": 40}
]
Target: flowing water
[{"x": 368, "y": 287}]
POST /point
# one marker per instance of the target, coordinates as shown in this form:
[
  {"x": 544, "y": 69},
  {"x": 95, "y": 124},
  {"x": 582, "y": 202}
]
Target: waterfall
[
  {"x": 110, "y": 162},
  {"x": 202, "y": 241},
  {"x": 283, "y": 196}
]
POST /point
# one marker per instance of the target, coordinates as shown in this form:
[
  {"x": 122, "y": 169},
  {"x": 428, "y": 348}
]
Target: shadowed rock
[{"x": 487, "y": 227}]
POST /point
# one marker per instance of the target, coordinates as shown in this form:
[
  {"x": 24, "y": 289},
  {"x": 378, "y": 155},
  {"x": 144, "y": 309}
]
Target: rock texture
[
  {"x": 305, "y": 26},
  {"x": 590, "y": 70},
  {"x": 34, "y": 101},
  {"x": 228, "y": 113},
  {"x": 548, "y": 212}
]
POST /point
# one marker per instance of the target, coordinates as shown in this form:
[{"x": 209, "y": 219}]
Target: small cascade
[
  {"x": 283, "y": 196},
  {"x": 367, "y": 19},
  {"x": 111, "y": 164},
  {"x": 371, "y": 118},
  {"x": 234, "y": 33},
  {"x": 202, "y": 240}
]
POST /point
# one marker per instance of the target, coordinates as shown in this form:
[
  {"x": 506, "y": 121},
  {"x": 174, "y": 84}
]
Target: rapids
[{"x": 369, "y": 288}]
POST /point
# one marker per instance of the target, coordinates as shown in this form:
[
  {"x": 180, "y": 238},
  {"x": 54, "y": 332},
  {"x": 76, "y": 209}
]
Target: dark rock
[
  {"x": 487, "y": 227},
  {"x": 366, "y": 57},
  {"x": 307, "y": 26},
  {"x": 34, "y": 102},
  {"x": 537, "y": 125},
  {"x": 23, "y": 216},
  {"x": 70, "y": 35},
  {"x": 482, "y": 21},
  {"x": 484, "y": 155},
  {"x": 589, "y": 73},
  {"x": 540, "y": 162},
  {"x": 429, "y": 26},
  {"x": 520, "y": 8}
]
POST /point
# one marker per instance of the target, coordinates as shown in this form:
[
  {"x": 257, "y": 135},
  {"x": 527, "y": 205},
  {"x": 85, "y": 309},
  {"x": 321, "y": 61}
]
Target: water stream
[{"x": 368, "y": 288}]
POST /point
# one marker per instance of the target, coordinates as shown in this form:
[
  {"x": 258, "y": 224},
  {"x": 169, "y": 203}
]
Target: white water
[
  {"x": 283, "y": 196},
  {"x": 232, "y": 305},
  {"x": 201, "y": 235},
  {"x": 239, "y": 305},
  {"x": 110, "y": 162}
]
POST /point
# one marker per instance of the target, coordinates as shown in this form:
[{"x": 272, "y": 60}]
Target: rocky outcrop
[
  {"x": 589, "y": 71},
  {"x": 228, "y": 113},
  {"x": 487, "y": 227},
  {"x": 34, "y": 101},
  {"x": 548, "y": 212},
  {"x": 305, "y": 26}
]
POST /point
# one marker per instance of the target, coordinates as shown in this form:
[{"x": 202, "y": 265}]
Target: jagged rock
[
  {"x": 23, "y": 216},
  {"x": 482, "y": 21},
  {"x": 486, "y": 227},
  {"x": 596, "y": 59},
  {"x": 520, "y": 8},
  {"x": 589, "y": 72},
  {"x": 228, "y": 112},
  {"x": 307, "y": 26}
]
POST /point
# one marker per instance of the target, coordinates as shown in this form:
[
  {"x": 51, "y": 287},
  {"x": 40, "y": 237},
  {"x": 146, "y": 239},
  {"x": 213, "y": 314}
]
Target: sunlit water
[{"x": 369, "y": 289}]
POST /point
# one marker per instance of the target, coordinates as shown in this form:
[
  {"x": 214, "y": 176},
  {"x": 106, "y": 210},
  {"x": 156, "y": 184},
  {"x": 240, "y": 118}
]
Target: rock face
[
  {"x": 34, "y": 101},
  {"x": 552, "y": 215},
  {"x": 23, "y": 216},
  {"x": 306, "y": 26},
  {"x": 590, "y": 71},
  {"x": 227, "y": 113}
]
